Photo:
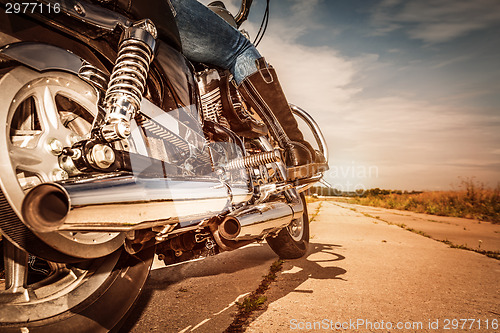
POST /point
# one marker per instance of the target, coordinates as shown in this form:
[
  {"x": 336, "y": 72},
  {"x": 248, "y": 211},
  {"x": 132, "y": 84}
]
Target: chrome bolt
[
  {"x": 103, "y": 156},
  {"x": 149, "y": 26},
  {"x": 79, "y": 9},
  {"x": 123, "y": 129},
  {"x": 116, "y": 130},
  {"x": 74, "y": 138},
  {"x": 58, "y": 174},
  {"x": 55, "y": 146}
]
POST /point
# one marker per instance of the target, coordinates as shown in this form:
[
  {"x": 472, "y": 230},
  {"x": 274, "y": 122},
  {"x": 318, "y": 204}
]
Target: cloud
[
  {"x": 413, "y": 143},
  {"x": 305, "y": 71},
  {"x": 372, "y": 123},
  {"x": 416, "y": 142},
  {"x": 452, "y": 60},
  {"x": 304, "y": 8},
  {"x": 433, "y": 32},
  {"x": 435, "y": 21}
]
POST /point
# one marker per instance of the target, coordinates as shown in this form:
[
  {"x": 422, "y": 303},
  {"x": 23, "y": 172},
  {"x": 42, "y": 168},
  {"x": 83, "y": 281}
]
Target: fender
[
  {"x": 42, "y": 57},
  {"x": 96, "y": 43},
  {"x": 172, "y": 67}
]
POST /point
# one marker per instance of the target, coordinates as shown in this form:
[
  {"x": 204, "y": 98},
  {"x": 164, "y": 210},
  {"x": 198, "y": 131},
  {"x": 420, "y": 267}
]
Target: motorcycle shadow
[
  {"x": 203, "y": 289},
  {"x": 319, "y": 263},
  {"x": 223, "y": 263}
]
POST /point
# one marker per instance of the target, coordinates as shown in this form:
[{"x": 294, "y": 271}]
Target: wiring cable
[{"x": 263, "y": 25}]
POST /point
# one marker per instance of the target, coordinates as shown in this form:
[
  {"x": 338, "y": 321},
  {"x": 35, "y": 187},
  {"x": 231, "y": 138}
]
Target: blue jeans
[{"x": 208, "y": 38}]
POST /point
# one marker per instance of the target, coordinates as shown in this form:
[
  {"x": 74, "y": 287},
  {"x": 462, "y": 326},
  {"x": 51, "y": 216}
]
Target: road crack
[
  {"x": 313, "y": 216},
  {"x": 255, "y": 301}
]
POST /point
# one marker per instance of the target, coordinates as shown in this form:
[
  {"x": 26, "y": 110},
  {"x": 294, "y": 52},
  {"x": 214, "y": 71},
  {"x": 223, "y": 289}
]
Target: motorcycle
[{"x": 116, "y": 148}]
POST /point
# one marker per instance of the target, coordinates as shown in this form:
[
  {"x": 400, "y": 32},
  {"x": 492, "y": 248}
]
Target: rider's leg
[
  {"x": 209, "y": 39},
  {"x": 262, "y": 90}
]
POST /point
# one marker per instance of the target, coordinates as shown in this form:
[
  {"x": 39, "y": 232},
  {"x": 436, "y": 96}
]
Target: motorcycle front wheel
[{"x": 292, "y": 242}]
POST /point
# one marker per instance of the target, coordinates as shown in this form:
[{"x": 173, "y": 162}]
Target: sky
[{"x": 407, "y": 93}]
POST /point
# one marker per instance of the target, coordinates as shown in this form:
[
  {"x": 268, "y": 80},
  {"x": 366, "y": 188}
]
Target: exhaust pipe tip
[
  {"x": 45, "y": 207},
  {"x": 230, "y": 228}
]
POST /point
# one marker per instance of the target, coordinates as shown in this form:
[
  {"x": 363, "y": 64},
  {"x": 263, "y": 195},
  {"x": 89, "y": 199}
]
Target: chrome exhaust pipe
[
  {"x": 259, "y": 220},
  {"x": 45, "y": 207},
  {"x": 230, "y": 228},
  {"x": 125, "y": 202}
]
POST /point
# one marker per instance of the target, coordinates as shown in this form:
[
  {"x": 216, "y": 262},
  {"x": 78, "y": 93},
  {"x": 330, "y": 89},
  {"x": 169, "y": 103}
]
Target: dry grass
[
  {"x": 255, "y": 301},
  {"x": 473, "y": 200}
]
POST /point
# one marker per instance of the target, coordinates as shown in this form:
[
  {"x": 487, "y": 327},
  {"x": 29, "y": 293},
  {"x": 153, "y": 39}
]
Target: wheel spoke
[
  {"x": 35, "y": 160},
  {"x": 47, "y": 108},
  {"x": 16, "y": 273},
  {"x": 49, "y": 114},
  {"x": 26, "y": 157},
  {"x": 32, "y": 151}
]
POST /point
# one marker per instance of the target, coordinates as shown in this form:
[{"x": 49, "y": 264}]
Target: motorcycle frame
[{"x": 54, "y": 46}]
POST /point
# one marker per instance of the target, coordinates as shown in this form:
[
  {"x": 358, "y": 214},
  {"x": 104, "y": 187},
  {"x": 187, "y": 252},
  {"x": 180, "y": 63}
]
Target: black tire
[
  {"x": 289, "y": 244},
  {"x": 102, "y": 310}
]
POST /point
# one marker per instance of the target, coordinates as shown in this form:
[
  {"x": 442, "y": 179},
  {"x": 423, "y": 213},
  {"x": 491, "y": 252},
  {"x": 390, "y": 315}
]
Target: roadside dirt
[
  {"x": 359, "y": 268},
  {"x": 362, "y": 269},
  {"x": 470, "y": 233}
]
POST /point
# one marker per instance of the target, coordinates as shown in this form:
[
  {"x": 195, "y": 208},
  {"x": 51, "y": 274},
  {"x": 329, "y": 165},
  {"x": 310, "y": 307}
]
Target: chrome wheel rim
[
  {"x": 296, "y": 229},
  {"x": 36, "y": 129},
  {"x": 43, "y": 113}
]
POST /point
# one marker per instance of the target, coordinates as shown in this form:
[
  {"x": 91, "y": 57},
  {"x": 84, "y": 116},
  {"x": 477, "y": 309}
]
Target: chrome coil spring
[
  {"x": 93, "y": 75},
  {"x": 254, "y": 160},
  {"x": 129, "y": 73}
]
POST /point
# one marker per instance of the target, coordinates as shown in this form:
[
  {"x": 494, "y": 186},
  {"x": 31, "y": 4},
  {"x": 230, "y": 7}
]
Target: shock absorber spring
[
  {"x": 254, "y": 160},
  {"x": 93, "y": 75},
  {"x": 129, "y": 74},
  {"x": 128, "y": 79}
]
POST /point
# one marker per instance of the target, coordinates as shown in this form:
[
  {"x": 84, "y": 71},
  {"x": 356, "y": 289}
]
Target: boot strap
[{"x": 264, "y": 71}]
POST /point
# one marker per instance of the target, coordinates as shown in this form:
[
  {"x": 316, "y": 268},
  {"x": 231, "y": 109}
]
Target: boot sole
[{"x": 305, "y": 171}]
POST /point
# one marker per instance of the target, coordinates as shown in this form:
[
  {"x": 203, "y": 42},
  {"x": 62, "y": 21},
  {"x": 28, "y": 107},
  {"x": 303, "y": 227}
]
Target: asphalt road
[{"x": 363, "y": 273}]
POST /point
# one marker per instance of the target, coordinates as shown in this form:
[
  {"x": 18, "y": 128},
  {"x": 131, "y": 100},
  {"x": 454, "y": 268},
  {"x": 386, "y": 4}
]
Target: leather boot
[
  {"x": 241, "y": 122},
  {"x": 263, "y": 92}
]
